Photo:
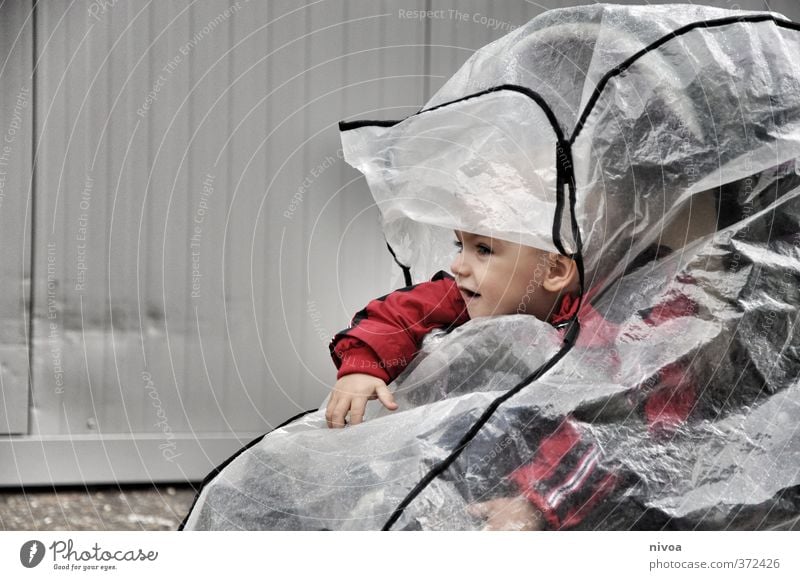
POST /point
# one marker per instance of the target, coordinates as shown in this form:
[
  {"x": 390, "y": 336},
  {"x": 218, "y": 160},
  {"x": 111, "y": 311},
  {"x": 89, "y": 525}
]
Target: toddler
[{"x": 494, "y": 277}]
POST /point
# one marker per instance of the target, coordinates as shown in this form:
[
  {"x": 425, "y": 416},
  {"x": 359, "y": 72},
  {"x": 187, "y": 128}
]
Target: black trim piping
[
  {"x": 533, "y": 95},
  {"x": 216, "y": 471},
  {"x": 619, "y": 69},
  {"x": 347, "y": 125},
  {"x": 440, "y": 467},
  {"x": 536, "y": 97},
  {"x": 406, "y": 269},
  {"x": 561, "y": 147}
]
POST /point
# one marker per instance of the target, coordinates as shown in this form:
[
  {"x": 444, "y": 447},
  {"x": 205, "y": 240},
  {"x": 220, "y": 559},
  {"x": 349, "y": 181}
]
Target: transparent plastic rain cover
[{"x": 585, "y": 132}]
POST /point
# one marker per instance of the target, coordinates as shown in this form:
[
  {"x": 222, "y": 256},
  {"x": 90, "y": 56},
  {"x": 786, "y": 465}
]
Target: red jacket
[{"x": 564, "y": 480}]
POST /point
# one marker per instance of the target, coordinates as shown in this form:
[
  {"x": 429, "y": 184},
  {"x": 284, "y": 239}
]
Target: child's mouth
[{"x": 469, "y": 294}]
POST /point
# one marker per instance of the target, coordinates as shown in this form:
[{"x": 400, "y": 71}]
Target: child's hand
[
  {"x": 351, "y": 393},
  {"x": 507, "y": 513}
]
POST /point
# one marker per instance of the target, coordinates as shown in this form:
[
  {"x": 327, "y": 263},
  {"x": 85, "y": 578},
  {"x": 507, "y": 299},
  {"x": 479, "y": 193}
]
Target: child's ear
[{"x": 562, "y": 274}]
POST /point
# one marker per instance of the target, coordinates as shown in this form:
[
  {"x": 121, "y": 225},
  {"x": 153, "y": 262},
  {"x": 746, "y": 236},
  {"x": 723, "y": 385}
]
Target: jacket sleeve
[
  {"x": 567, "y": 478},
  {"x": 384, "y": 336}
]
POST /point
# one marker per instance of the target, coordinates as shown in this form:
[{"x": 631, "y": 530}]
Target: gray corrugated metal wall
[
  {"x": 193, "y": 236},
  {"x": 16, "y": 112}
]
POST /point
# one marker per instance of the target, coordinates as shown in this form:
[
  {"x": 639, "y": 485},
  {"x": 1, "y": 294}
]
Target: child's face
[{"x": 507, "y": 277}]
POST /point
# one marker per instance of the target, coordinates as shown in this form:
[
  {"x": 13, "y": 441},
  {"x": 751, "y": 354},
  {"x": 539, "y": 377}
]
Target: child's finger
[
  {"x": 330, "y": 408},
  {"x": 385, "y": 396},
  {"x": 357, "y": 408},
  {"x": 339, "y": 413}
]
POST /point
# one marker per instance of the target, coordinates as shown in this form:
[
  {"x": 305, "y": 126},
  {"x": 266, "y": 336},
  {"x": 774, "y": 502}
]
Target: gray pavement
[{"x": 95, "y": 508}]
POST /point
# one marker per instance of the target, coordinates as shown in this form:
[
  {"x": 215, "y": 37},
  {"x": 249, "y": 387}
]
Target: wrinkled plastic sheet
[
  {"x": 715, "y": 109},
  {"x": 733, "y": 464}
]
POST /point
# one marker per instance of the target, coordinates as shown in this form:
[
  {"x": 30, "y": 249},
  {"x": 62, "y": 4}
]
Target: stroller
[{"x": 585, "y": 132}]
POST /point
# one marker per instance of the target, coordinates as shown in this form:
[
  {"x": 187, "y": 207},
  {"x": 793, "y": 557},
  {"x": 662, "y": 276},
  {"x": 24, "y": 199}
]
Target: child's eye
[
  {"x": 457, "y": 244},
  {"x": 484, "y": 250}
]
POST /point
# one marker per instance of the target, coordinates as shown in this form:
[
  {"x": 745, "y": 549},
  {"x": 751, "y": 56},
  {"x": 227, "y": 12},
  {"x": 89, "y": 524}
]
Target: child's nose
[{"x": 459, "y": 266}]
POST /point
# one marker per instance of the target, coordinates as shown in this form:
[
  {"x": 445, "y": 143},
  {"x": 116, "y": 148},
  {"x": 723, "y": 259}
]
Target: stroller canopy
[{"x": 585, "y": 132}]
